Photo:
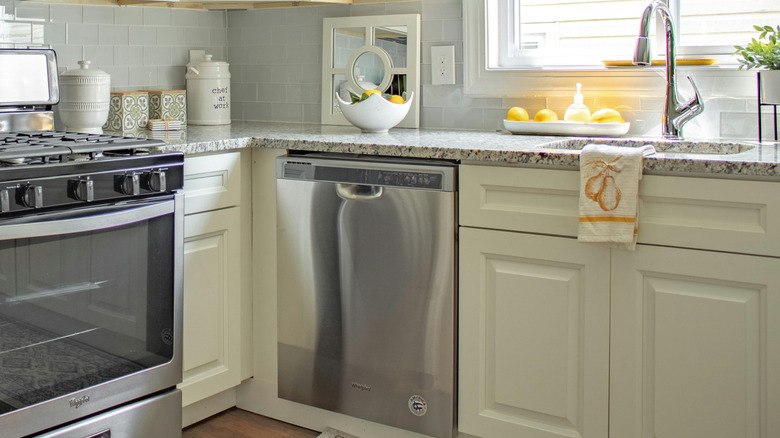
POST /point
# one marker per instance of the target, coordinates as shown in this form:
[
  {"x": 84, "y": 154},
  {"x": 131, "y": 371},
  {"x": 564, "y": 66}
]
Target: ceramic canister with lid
[
  {"x": 85, "y": 94},
  {"x": 208, "y": 92}
]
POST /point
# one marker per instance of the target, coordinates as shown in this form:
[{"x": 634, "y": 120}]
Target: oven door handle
[{"x": 47, "y": 227}]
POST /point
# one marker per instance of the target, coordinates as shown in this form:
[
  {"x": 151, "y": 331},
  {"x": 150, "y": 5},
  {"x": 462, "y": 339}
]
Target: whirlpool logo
[
  {"x": 76, "y": 403},
  {"x": 360, "y": 386}
]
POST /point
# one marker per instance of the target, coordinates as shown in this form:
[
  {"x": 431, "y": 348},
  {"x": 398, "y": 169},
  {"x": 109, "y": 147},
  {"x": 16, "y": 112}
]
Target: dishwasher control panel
[{"x": 366, "y": 173}]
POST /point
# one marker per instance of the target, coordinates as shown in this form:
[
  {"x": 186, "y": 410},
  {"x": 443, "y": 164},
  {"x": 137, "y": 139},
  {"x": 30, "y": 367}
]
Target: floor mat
[{"x": 36, "y": 365}]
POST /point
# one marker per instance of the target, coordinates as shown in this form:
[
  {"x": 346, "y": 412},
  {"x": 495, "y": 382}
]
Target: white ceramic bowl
[{"x": 375, "y": 114}]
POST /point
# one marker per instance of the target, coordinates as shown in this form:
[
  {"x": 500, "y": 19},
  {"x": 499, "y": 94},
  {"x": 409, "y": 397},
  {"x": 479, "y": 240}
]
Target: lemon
[
  {"x": 606, "y": 115},
  {"x": 396, "y": 99},
  {"x": 517, "y": 114},
  {"x": 546, "y": 115},
  {"x": 368, "y": 93}
]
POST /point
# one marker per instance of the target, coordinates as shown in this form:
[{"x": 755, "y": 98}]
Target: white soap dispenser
[{"x": 577, "y": 111}]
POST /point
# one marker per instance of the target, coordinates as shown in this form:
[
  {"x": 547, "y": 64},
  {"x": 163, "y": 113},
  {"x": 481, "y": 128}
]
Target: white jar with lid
[
  {"x": 85, "y": 94},
  {"x": 208, "y": 92}
]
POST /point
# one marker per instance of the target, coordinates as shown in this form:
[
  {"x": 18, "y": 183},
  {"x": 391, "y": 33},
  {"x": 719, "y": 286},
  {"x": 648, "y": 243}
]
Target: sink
[{"x": 665, "y": 146}]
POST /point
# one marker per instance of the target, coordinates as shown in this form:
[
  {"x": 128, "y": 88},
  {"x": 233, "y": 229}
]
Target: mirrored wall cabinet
[{"x": 379, "y": 52}]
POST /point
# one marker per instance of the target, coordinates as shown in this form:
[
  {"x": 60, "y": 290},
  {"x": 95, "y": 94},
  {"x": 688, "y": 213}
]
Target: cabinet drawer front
[
  {"x": 706, "y": 213},
  {"x": 519, "y": 199},
  {"x": 212, "y": 182}
]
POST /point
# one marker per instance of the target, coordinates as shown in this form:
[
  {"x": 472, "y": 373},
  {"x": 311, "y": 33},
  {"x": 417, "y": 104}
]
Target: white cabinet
[
  {"x": 692, "y": 333},
  {"x": 211, "y": 304},
  {"x": 212, "y": 276},
  {"x": 695, "y": 344},
  {"x": 533, "y": 336}
]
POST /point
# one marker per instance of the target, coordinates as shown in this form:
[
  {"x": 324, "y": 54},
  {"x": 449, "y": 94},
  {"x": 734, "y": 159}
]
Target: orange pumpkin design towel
[{"x": 609, "y": 194}]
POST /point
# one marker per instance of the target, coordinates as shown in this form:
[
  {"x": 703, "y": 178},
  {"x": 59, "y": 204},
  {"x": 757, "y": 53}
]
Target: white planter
[{"x": 769, "y": 81}]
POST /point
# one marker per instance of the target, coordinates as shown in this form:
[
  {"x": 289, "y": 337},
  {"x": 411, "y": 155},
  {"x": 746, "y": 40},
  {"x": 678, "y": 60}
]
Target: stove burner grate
[{"x": 42, "y": 147}]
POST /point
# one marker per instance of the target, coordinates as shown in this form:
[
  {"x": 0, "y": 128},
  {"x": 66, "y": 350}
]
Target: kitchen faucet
[{"x": 676, "y": 114}]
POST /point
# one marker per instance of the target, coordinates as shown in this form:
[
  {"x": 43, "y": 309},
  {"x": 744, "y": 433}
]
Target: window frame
[{"x": 479, "y": 80}]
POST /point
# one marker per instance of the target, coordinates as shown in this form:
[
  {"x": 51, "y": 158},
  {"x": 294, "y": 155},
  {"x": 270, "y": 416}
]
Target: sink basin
[{"x": 666, "y": 146}]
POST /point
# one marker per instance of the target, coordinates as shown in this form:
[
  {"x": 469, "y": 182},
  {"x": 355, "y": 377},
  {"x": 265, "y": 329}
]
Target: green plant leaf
[{"x": 355, "y": 98}]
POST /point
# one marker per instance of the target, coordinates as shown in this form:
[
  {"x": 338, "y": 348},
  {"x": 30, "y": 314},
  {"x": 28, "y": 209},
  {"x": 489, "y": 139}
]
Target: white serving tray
[{"x": 567, "y": 128}]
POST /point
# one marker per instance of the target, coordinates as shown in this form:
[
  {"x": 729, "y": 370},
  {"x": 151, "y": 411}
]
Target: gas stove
[{"x": 42, "y": 169}]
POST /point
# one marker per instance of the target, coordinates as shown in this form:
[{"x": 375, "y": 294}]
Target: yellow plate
[{"x": 660, "y": 62}]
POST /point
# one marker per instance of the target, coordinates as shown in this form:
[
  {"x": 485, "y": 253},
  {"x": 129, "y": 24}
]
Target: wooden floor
[{"x": 238, "y": 423}]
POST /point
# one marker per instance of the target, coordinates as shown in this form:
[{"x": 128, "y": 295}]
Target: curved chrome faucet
[{"x": 676, "y": 113}]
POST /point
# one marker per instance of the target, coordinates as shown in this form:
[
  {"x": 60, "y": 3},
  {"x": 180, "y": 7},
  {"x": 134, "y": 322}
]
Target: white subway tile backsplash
[
  {"x": 287, "y": 112},
  {"x": 99, "y": 56},
  {"x": 452, "y": 30},
  {"x": 157, "y": 16},
  {"x": 127, "y": 56},
  {"x": 442, "y": 9},
  {"x": 184, "y": 17},
  {"x": 119, "y": 77},
  {"x": 217, "y": 37},
  {"x": 68, "y": 55},
  {"x": 142, "y": 76},
  {"x": 305, "y": 54},
  {"x": 171, "y": 76},
  {"x": 463, "y": 118},
  {"x": 276, "y": 93},
  {"x": 142, "y": 36},
  {"x": 157, "y": 55},
  {"x": 98, "y": 14},
  {"x": 196, "y": 37},
  {"x": 128, "y": 15},
  {"x": 113, "y": 35},
  {"x": 62, "y": 13},
  {"x": 211, "y": 19},
  {"x": 81, "y": 34},
  {"x": 170, "y": 36},
  {"x": 28, "y": 11},
  {"x": 55, "y": 33},
  {"x": 276, "y": 62},
  {"x": 403, "y": 8}
]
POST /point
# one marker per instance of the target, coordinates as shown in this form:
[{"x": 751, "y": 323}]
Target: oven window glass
[{"x": 77, "y": 310}]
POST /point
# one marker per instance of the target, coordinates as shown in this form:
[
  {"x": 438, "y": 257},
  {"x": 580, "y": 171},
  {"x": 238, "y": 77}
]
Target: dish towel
[{"x": 609, "y": 194}]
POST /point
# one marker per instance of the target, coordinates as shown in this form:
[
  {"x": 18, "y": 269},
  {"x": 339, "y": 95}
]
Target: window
[{"x": 569, "y": 33}]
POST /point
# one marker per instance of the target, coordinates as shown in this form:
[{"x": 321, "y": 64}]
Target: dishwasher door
[{"x": 366, "y": 289}]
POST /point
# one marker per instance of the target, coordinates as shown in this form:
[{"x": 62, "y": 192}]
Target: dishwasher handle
[{"x": 359, "y": 192}]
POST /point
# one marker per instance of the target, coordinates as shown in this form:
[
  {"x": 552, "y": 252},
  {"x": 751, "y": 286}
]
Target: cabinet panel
[
  {"x": 534, "y": 335},
  {"x": 695, "y": 348},
  {"x": 212, "y": 182},
  {"x": 212, "y": 336},
  {"x": 706, "y": 213}
]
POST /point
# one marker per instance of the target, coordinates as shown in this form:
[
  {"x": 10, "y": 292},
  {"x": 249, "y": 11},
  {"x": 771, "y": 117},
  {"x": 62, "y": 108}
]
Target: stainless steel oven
[
  {"x": 91, "y": 237},
  {"x": 89, "y": 311}
]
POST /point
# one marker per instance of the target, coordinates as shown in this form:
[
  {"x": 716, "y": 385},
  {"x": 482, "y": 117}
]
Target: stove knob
[
  {"x": 5, "y": 203},
  {"x": 30, "y": 196},
  {"x": 127, "y": 184},
  {"x": 154, "y": 181},
  {"x": 81, "y": 189}
]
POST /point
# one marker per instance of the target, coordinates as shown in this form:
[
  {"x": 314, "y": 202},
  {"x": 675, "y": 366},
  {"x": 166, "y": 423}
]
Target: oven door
[{"x": 90, "y": 310}]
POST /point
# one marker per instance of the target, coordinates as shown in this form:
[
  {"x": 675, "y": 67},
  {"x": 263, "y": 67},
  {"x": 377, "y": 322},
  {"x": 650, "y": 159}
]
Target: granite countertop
[{"x": 711, "y": 158}]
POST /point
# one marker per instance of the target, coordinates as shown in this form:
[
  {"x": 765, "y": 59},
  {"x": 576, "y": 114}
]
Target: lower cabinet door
[
  {"x": 695, "y": 344},
  {"x": 533, "y": 336},
  {"x": 212, "y": 337}
]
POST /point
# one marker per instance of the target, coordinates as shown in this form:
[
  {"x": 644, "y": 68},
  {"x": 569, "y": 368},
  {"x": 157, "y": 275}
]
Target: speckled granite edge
[{"x": 683, "y": 158}]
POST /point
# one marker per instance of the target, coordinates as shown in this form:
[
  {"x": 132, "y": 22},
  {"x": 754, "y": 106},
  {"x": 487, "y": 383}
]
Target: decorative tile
[
  {"x": 129, "y": 110},
  {"x": 168, "y": 104}
]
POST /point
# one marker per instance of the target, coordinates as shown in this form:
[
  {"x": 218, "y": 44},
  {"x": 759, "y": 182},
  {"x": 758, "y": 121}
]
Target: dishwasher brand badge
[{"x": 418, "y": 405}]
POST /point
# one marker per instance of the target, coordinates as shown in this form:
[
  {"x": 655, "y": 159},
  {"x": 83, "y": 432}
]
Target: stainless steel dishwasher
[{"x": 366, "y": 288}]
